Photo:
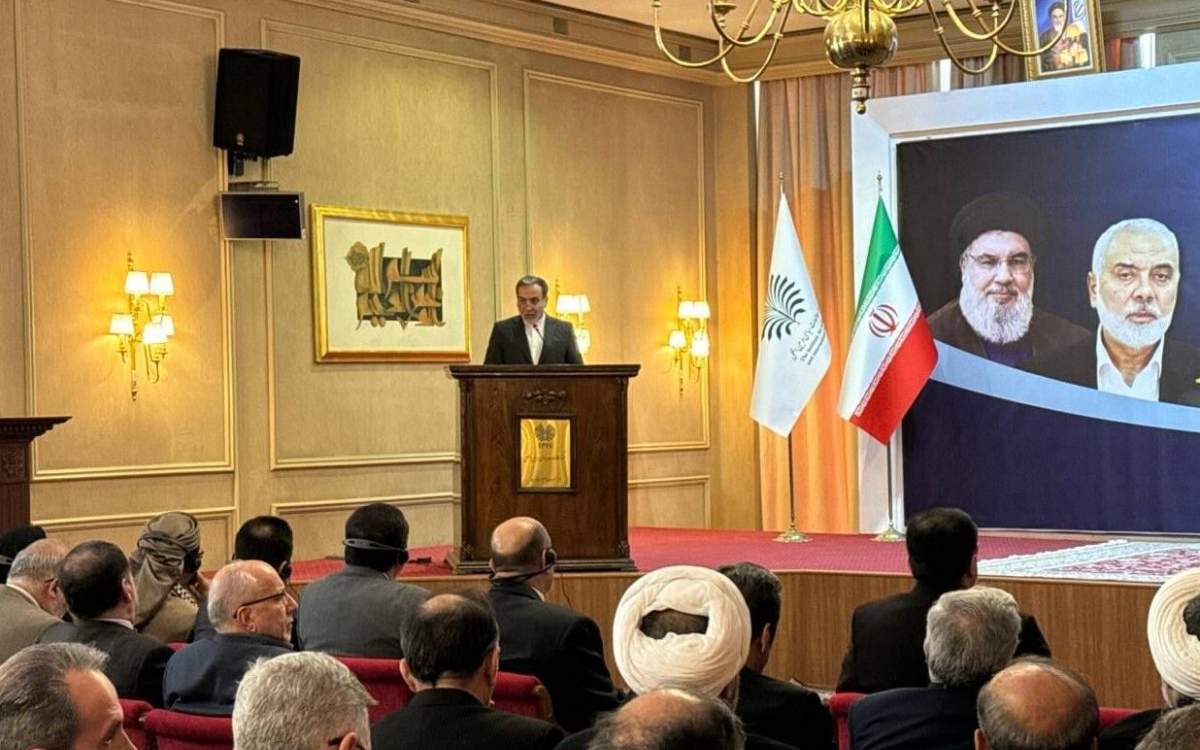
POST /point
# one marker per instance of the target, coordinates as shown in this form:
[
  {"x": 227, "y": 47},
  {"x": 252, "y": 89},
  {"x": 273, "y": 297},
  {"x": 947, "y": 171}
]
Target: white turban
[
  {"x": 702, "y": 663},
  {"x": 1176, "y": 652}
]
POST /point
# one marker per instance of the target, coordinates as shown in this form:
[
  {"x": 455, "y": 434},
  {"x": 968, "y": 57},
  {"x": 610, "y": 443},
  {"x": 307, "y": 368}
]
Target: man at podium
[{"x": 532, "y": 337}]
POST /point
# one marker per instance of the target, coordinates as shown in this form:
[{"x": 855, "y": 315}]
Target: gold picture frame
[
  {"x": 1080, "y": 47},
  {"x": 390, "y": 286}
]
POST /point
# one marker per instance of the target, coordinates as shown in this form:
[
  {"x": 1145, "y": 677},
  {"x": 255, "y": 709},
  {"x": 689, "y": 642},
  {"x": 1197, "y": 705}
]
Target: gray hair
[
  {"x": 232, "y": 585},
  {"x": 35, "y": 703},
  {"x": 693, "y": 722},
  {"x": 530, "y": 280},
  {"x": 1175, "y": 730},
  {"x": 1155, "y": 229},
  {"x": 970, "y": 635},
  {"x": 1003, "y": 711},
  {"x": 298, "y": 702},
  {"x": 38, "y": 562}
]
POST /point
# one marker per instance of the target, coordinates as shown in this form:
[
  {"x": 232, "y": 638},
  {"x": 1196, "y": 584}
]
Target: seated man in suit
[
  {"x": 886, "y": 635},
  {"x": 559, "y": 646},
  {"x": 1036, "y": 704},
  {"x": 56, "y": 696},
  {"x": 31, "y": 600},
  {"x": 300, "y": 702},
  {"x": 532, "y": 337},
  {"x": 98, "y": 585},
  {"x": 451, "y": 657},
  {"x": 1177, "y": 731},
  {"x": 970, "y": 636},
  {"x": 265, "y": 538},
  {"x": 681, "y": 627},
  {"x": 670, "y": 720},
  {"x": 361, "y": 610},
  {"x": 772, "y": 708},
  {"x": 252, "y": 612}
]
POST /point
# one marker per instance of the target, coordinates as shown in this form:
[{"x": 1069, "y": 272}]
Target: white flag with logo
[{"x": 793, "y": 350}]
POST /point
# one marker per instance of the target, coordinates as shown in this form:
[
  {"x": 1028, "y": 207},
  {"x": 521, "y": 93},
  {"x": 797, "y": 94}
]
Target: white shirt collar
[
  {"x": 118, "y": 621},
  {"x": 21, "y": 590},
  {"x": 540, "y": 323},
  {"x": 1110, "y": 380}
]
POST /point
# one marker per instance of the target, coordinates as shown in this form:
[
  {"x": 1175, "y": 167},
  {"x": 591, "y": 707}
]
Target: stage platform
[{"x": 1095, "y": 626}]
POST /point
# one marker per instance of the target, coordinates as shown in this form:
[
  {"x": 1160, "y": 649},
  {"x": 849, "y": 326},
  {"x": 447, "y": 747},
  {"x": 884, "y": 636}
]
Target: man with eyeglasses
[
  {"x": 994, "y": 237},
  {"x": 31, "y": 601},
  {"x": 251, "y": 610}
]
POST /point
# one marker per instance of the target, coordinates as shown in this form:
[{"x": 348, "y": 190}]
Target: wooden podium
[
  {"x": 16, "y": 468},
  {"x": 548, "y": 442}
]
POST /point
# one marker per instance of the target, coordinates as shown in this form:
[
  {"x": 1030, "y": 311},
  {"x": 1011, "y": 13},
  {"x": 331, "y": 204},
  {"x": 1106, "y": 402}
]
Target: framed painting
[
  {"x": 1069, "y": 34},
  {"x": 389, "y": 286}
]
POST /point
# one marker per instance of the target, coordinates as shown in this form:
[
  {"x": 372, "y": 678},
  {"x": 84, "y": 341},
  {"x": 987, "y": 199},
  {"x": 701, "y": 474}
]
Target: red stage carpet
[{"x": 653, "y": 548}]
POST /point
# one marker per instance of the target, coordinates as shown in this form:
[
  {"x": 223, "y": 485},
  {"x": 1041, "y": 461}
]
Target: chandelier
[{"x": 859, "y": 34}]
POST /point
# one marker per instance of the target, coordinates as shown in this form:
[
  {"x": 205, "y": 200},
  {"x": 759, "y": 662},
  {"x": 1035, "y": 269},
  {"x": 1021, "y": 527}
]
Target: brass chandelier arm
[
  {"x": 821, "y": 8},
  {"x": 766, "y": 61},
  {"x": 987, "y": 36},
  {"x": 985, "y": 67},
  {"x": 898, "y": 7},
  {"x": 739, "y": 41},
  {"x": 662, "y": 47}
]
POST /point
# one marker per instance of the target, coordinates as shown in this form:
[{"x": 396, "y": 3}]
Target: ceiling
[{"x": 685, "y": 16}]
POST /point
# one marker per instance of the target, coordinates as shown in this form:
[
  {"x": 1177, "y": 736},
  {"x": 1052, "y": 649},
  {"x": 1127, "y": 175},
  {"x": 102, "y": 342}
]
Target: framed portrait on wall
[
  {"x": 389, "y": 286},
  {"x": 1068, "y": 31}
]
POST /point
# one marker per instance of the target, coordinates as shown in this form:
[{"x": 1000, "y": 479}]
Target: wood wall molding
[
  {"x": 283, "y": 463},
  {"x": 39, "y": 474},
  {"x": 302, "y": 507},
  {"x": 229, "y": 515},
  {"x": 697, "y": 480}
]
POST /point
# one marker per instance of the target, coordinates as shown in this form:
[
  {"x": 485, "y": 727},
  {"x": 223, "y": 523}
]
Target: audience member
[
  {"x": 31, "y": 601},
  {"x": 265, "y": 538},
  {"x": 15, "y": 540},
  {"x": 251, "y": 610},
  {"x": 559, "y": 646},
  {"x": 669, "y": 720},
  {"x": 886, "y": 635},
  {"x": 166, "y": 569},
  {"x": 970, "y": 636},
  {"x": 1177, "y": 730},
  {"x": 1036, "y": 704},
  {"x": 56, "y": 697},
  {"x": 362, "y": 610},
  {"x": 768, "y": 707},
  {"x": 681, "y": 627},
  {"x": 1173, "y": 631},
  {"x": 96, "y": 581},
  {"x": 303, "y": 701},
  {"x": 451, "y": 657}
]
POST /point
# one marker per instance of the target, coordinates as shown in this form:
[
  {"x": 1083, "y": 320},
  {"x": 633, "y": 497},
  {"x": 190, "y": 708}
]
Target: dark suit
[
  {"x": 1128, "y": 732},
  {"x": 929, "y": 718},
  {"x": 23, "y": 621},
  {"x": 357, "y": 611},
  {"x": 560, "y": 647},
  {"x": 202, "y": 677},
  {"x": 887, "y": 639},
  {"x": 135, "y": 662},
  {"x": 783, "y": 711},
  {"x": 581, "y": 741},
  {"x": 1077, "y": 364},
  {"x": 508, "y": 344},
  {"x": 1047, "y": 333},
  {"x": 446, "y": 719}
]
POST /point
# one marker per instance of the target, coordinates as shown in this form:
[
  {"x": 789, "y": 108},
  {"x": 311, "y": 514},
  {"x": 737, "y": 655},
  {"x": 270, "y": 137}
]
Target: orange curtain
[{"x": 804, "y": 134}]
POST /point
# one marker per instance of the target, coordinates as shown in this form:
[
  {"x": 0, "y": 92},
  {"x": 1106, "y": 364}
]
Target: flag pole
[{"x": 891, "y": 533}]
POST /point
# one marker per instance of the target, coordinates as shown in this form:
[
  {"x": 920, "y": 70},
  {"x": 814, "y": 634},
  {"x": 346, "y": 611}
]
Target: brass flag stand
[{"x": 792, "y": 535}]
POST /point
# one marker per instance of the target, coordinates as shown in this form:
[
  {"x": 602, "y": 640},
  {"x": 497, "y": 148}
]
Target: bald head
[
  {"x": 248, "y": 596},
  {"x": 518, "y": 547},
  {"x": 1035, "y": 704},
  {"x": 669, "y": 720}
]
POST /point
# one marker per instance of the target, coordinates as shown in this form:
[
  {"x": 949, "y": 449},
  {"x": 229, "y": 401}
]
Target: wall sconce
[
  {"x": 689, "y": 339},
  {"x": 146, "y": 324},
  {"x": 572, "y": 308}
]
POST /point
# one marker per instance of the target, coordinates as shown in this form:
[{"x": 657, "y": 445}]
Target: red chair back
[
  {"x": 382, "y": 679},
  {"x": 839, "y": 706},
  {"x": 1110, "y": 716},
  {"x": 132, "y": 724},
  {"x": 522, "y": 694},
  {"x": 174, "y": 730}
]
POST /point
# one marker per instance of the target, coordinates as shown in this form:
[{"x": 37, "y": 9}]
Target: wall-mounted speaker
[{"x": 256, "y": 102}]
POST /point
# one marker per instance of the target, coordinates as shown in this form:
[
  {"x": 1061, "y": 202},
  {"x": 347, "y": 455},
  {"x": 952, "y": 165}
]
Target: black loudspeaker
[{"x": 256, "y": 102}]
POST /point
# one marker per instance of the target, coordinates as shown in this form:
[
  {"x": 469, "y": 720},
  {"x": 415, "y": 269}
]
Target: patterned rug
[{"x": 1116, "y": 560}]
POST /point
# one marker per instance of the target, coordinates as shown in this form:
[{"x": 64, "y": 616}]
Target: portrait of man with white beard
[
  {"x": 995, "y": 239},
  {"x": 1134, "y": 288}
]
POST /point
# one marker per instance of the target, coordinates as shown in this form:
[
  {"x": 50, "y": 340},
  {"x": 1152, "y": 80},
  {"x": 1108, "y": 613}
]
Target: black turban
[{"x": 1008, "y": 212}]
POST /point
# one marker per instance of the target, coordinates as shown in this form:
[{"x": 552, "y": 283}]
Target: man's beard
[
  {"x": 1134, "y": 335},
  {"x": 995, "y": 323}
]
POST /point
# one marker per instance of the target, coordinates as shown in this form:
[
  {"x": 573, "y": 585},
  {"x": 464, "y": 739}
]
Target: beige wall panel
[
  {"x": 386, "y": 127},
  {"x": 151, "y": 494},
  {"x": 679, "y": 502},
  {"x": 319, "y": 524},
  {"x": 616, "y": 201},
  {"x": 668, "y": 464},
  {"x": 217, "y": 527},
  {"x": 12, "y": 338},
  {"x": 115, "y": 134}
]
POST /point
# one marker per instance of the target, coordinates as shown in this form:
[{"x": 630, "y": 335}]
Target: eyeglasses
[
  {"x": 252, "y": 602},
  {"x": 1015, "y": 264}
]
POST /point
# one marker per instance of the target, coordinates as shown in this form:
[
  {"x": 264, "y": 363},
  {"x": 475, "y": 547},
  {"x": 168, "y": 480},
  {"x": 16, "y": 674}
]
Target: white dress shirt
[
  {"x": 1110, "y": 380},
  {"x": 536, "y": 336}
]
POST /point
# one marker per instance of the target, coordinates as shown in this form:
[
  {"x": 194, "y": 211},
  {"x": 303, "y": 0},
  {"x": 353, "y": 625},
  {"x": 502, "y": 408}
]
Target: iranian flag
[{"x": 891, "y": 349}]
